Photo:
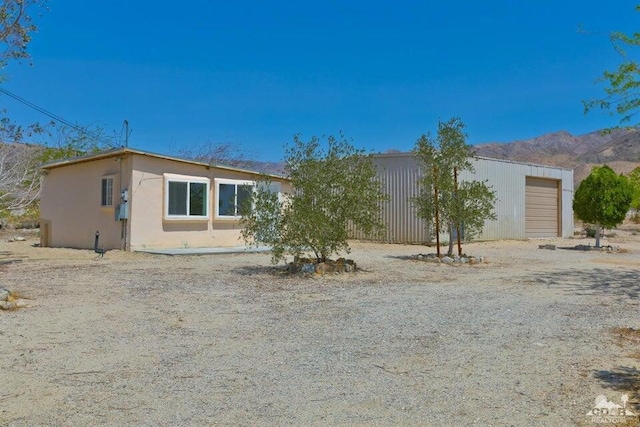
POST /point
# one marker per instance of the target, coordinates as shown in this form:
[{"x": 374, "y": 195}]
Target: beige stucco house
[{"x": 140, "y": 200}]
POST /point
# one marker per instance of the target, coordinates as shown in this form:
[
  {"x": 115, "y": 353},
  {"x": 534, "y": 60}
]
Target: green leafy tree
[
  {"x": 602, "y": 199},
  {"x": 443, "y": 199},
  {"x": 622, "y": 84},
  {"x": 634, "y": 180},
  {"x": 332, "y": 189},
  {"x": 474, "y": 203}
]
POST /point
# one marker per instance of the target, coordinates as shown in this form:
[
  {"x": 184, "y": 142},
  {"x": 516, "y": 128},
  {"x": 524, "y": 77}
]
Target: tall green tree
[
  {"x": 634, "y": 180},
  {"x": 602, "y": 199},
  {"x": 622, "y": 85},
  {"x": 332, "y": 190},
  {"x": 444, "y": 201}
]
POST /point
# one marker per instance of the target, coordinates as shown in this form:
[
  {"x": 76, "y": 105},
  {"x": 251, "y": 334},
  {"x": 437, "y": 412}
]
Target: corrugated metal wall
[
  {"x": 400, "y": 173},
  {"x": 399, "y": 176}
]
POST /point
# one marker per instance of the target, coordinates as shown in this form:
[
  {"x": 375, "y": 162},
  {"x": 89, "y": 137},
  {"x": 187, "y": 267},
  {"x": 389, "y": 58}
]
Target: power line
[{"x": 54, "y": 116}]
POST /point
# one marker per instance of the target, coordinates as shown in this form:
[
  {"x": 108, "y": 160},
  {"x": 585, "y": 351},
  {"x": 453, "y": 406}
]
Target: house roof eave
[{"x": 123, "y": 151}]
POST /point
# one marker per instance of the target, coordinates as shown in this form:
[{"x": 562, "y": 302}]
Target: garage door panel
[
  {"x": 541, "y": 207},
  {"x": 547, "y": 212}
]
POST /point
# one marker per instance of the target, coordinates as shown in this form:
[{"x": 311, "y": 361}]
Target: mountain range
[{"x": 618, "y": 148}]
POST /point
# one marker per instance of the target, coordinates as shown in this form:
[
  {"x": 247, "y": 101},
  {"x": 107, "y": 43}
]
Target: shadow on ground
[
  {"x": 401, "y": 257},
  {"x": 259, "y": 269},
  {"x": 597, "y": 281},
  {"x": 625, "y": 379}
]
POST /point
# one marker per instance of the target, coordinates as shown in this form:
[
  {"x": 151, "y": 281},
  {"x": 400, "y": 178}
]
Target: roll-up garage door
[{"x": 541, "y": 207}]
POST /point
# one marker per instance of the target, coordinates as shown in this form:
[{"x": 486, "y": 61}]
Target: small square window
[{"x": 106, "y": 194}]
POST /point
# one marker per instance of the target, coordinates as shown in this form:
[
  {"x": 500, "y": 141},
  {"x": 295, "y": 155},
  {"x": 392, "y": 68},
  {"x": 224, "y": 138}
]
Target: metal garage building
[{"x": 533, "y": 200}]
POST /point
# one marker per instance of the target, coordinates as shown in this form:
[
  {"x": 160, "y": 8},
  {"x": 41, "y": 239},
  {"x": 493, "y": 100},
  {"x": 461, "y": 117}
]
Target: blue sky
[{"x": 254, "y": 73}]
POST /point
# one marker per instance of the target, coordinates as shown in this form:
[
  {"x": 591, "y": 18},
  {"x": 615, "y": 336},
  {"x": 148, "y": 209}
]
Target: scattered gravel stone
[
  {"x": 7, "y": 305},
  {"x": 526, "y": 343}
]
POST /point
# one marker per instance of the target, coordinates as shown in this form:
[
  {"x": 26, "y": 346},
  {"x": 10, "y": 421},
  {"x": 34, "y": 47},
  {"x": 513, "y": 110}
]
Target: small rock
[
  {"x": 320, "y": 268},
  {"x": 21, "y": 303},
  {"x": 4, "y": 294},
  {"x": 7, "y": 305},
  {"x": 464, "y": 260},
  {"x": 473, "y": 260},
  {"x": 419, "y": 257},
  {"x": 437, "y": 260},
  {"x": 308, "y": 268},
  {"x": 447, "y": 260},
  {"x": 348, "y": 268}
]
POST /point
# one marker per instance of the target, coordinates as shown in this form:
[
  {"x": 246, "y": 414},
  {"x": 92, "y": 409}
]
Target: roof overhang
[{"x": 125, "y": 151}]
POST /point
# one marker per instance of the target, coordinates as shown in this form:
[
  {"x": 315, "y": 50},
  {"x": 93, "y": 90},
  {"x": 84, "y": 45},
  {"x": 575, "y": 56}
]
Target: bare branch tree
[
  {"x": 16, "y": 27},
  {"x": 222, "y": 153},
  {"x": 19, "y": 176}
]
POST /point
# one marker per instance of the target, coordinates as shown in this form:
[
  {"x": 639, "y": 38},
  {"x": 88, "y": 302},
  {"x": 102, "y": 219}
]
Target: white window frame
[
  {"x": 236, "y": 182},
  {"x": 189, "y": 180},
  {"x": 109, "y": 197}
]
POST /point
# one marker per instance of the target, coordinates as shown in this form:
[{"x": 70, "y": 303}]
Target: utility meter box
[{"x": 122, "y": 212}]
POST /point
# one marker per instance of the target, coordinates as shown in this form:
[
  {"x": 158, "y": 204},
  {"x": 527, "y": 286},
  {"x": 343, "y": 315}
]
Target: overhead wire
[{"x": 55, "y": 116}]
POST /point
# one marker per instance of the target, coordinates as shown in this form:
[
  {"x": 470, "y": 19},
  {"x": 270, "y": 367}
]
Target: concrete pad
[{"x": 205, "y": 251}]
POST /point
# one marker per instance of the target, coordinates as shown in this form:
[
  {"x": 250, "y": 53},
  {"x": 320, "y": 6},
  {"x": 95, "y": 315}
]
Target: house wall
[
  {"x": 70, "y": 205},
  {"x": 400, "y": 173},
  {"x": 147, "y": 226}
]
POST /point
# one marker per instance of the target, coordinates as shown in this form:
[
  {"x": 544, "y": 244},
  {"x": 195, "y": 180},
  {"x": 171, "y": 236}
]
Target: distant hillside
[{"x": 619, "y": 148}]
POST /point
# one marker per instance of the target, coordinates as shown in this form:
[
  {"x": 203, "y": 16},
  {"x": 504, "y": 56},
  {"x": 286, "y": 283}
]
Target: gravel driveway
[{"x": 528, "y": 338}]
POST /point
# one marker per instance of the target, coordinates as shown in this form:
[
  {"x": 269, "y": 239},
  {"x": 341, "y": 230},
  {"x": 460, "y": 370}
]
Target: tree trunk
[
  {"x": 450, "y": 250},
  {"x": 598, "y": 236}
]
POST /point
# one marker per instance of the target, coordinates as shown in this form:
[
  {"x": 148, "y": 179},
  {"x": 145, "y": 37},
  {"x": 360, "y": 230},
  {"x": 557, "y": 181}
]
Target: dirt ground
[{"x": 531, "y": 337}]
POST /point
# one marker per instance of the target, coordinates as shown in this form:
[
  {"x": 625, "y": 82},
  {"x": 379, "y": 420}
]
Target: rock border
[
  {"x": 312, "y": 266},
  {"x": 455, "y": 260}
]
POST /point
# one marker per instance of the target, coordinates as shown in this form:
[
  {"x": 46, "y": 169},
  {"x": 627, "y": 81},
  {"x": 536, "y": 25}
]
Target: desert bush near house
[{"x": 332, "y": 189}]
